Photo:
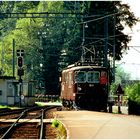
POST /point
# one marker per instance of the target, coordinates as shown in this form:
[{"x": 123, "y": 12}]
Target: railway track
[
  {"x": 29, "y": 125},
  {"x": 9, "y": 113}
]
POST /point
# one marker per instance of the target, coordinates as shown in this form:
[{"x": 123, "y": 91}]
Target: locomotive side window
[
  {"x": 80, "y": 77},
  {"x": 66, "y": 78},
  {"x": 70, "y": 82},
  {"x": 93, "y": 77}
]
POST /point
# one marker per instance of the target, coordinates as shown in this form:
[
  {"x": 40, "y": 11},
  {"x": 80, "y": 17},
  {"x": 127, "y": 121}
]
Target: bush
[
  {"x": 133, "y": 92},
  {"x": 134, "y": 108},
  {"x": 61, "y": 131},
  {"x": 55, "y": 123}
]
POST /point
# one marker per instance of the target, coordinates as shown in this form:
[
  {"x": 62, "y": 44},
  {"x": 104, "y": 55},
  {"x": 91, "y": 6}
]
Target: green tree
[
  {"x": 102, "y": 33},
  {"x": 56, "y": 42},
  {"x": 110, "y": 29},
  {"x": 120, "y": 76},
  {"x": 133, "y": 92}
]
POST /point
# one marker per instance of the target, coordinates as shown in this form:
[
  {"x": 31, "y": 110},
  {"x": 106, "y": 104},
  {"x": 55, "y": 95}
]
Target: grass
[
  {"x": 39, "y": 103},
  {"x": 48, "y": 103},
  {"x": 4, "y": 106},
  {"x": 61, "y": 131}
]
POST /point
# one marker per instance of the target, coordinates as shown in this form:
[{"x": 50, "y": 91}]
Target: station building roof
[{"x": 7, "y": 77}]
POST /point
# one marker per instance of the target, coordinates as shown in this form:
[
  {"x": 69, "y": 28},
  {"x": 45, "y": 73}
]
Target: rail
[
  {"x": 9, "y": 111},
  {"x": 40, "y": 114},
  {"x": 14, "y": 124},
  {"x": 41, "y": 136},
  {"x": 42, "y": 124}
]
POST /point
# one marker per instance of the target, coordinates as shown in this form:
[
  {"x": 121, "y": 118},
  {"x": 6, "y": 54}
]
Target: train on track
[{"x": 85, "y": 86}]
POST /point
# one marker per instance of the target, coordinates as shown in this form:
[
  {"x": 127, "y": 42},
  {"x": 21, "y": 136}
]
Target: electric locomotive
[{"x": 85, "y": 85}]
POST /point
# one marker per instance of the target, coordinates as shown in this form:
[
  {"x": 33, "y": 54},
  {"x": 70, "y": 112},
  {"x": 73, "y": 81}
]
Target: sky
[{"x": 131, "y": 59}]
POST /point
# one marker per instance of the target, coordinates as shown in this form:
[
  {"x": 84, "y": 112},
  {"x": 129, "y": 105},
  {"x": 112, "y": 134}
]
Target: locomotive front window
[
  {"x": 96, "y": 76},
  {"x": 93, "y": 76},
  {"x": 80, "y": 77}
]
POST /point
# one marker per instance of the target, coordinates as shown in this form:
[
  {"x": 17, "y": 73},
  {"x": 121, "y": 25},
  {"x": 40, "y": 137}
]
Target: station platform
[{"x": 99, "y": 125}]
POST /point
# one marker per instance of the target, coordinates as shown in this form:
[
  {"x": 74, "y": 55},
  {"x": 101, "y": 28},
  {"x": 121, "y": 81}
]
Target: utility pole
[
  {"x": 2, "y": 57},
  {"x": 13, "y": 57},
  {"x": 106, "y": 41},
  {"x": 114, "y": 48},
  {"x": 83, "y": 41}
]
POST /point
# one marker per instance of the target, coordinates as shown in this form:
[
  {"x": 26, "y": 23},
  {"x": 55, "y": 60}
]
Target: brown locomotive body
[{"x": 85, "y": 86}]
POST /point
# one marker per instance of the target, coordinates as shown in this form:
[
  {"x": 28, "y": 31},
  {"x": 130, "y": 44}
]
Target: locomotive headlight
[
  {"x": 79, "y": 88},
  {"x": 91, "y": 85}
]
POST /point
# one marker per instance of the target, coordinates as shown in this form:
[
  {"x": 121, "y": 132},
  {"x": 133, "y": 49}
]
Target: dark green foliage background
[{"x": 55, "y": 42}]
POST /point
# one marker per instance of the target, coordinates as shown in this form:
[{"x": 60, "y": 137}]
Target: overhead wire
[
  {"x": 135, "y": 49},
  {"x": 99, "y": 18}
]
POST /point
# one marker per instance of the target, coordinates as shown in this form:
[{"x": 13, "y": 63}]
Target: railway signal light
[
  {"x": 20, "y": 61},
  {"x": 20, "y": 72}
]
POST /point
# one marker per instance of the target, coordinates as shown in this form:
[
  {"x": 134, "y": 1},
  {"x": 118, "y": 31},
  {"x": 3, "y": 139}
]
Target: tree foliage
[
  {"x": 110, "y": 28},
  {"x": 56, "y": 42},
  {"x": 120, "y": 76},
  {"x": 133, "y": 92}
]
